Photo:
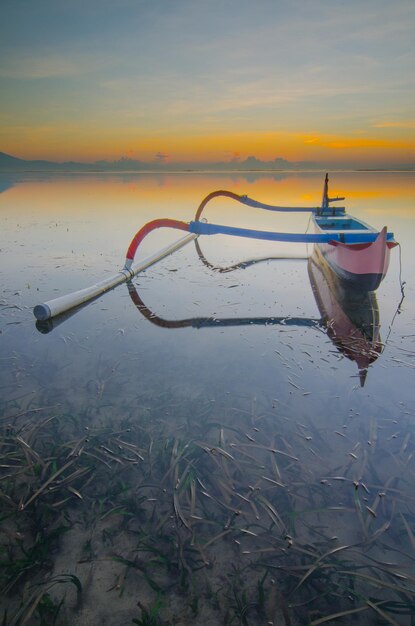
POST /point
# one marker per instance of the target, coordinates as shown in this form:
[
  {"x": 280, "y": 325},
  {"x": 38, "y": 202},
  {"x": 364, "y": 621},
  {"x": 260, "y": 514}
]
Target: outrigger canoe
[
  {"x": 357, "y": 253},
  {"x": 354, "y": 256}
]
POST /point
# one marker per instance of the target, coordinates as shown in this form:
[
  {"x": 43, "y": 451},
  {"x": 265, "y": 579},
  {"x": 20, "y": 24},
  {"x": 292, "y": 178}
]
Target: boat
[
  {"x": 354, "y": 257},
  {"x": 356, "y": 252}
]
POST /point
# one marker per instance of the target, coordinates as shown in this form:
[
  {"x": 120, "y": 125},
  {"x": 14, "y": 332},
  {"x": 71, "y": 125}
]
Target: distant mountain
[
  {"x": 252, "y": 163},
  {"x": 9, "y": 163}
]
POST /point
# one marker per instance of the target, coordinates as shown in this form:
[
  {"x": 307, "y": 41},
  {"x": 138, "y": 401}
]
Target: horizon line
[{"x": 9, "y": 162}]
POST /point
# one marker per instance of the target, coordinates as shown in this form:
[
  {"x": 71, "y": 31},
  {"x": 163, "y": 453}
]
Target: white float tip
[{"x": 42, "y": 312}]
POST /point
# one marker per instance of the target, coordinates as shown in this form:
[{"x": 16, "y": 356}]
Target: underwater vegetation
[{"x": 204, "y": 518}]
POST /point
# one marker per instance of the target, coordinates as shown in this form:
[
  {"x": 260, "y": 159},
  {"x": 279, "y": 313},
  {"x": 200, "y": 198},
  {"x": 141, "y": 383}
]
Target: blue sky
[{"x": 203, "y": 80}]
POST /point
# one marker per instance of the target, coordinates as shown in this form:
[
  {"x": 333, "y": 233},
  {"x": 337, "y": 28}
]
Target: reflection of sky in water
[{"x": 63, "y": 233}]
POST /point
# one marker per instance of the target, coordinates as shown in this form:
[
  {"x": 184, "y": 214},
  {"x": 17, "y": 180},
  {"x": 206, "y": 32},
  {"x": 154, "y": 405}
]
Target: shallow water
[{"x": 265, "y": 470}]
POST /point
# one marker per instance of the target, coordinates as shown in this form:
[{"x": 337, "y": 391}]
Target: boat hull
[{"x": 362, "y": 266}]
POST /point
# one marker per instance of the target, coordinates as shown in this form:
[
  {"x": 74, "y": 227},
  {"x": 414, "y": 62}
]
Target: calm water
[{"x": 238, "y": 470}]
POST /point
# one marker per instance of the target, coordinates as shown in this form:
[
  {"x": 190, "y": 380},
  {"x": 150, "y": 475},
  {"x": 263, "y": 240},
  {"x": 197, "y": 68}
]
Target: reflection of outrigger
[
  {"x": 355, "y": 251},
  {"x": 350, "y": 317}
]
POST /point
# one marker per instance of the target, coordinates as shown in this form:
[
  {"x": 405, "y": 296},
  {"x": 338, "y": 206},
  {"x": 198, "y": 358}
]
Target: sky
[{"x": 208, "y": 80}]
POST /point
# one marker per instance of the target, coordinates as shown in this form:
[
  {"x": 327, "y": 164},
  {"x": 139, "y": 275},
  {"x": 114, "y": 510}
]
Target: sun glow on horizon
[
  {"x": 198, "y": 82},
  {"x": 209, "y": 148}
]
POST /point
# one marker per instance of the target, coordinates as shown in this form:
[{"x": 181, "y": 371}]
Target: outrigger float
[{"x": 356, "y": 252}]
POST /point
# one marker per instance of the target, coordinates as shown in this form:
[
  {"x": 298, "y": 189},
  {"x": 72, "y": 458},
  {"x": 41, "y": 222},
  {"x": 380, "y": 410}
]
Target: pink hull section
[{"x": 362, "y": 264}]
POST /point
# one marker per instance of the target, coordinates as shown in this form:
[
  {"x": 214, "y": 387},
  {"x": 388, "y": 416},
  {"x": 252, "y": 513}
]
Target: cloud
[
  {"x": 222, "y": 94},
  {"x": 161, "y": 157},
  {"x": 49, "y": 65},
  {"x": 402, "y": 124},
  {"x": 233, "y": 157},
  {"x": 343, "y": 142}
]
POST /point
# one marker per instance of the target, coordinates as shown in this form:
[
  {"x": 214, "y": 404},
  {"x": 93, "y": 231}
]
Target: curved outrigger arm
[
  {"x": 255, "y": 204},
  {"x": 205, "y": 228},
  {"x": 192, "y": 226},
  {"x": 199, "y": 227}
]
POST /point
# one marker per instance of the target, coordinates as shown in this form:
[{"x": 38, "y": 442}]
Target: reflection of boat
[{"x": 350, "y": 316}]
